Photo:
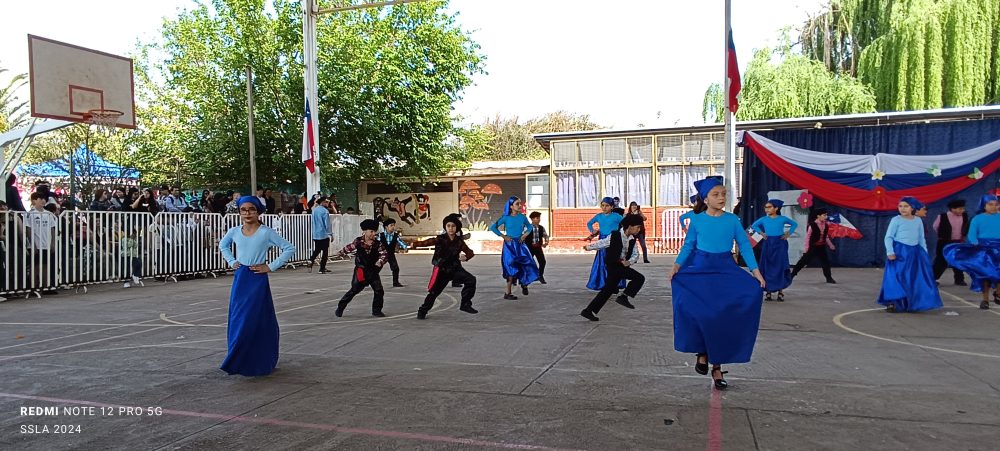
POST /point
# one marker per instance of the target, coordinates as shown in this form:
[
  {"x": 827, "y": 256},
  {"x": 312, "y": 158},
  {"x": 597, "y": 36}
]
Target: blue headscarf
[
  {"x": 778, "y": 203},
  {"x": 705, "y": 185},
  {"x": 608, "y": 200},
  {"x": 253, "y": 200},
  {"x": 986, "y": 199},
  {"x": 506, "y": 210},
  {"x": 916, "y": 204},
  {"x": 693, "y": 199}
]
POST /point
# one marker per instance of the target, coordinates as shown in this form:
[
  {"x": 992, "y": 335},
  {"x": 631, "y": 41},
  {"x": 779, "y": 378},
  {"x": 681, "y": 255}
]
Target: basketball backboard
[{"x": 67, "y": 81}]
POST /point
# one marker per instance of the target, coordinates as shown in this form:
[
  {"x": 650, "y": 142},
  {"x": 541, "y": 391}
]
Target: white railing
[
  {"x": 671, "y": 235},
  {"x": 41, "y": 251}
]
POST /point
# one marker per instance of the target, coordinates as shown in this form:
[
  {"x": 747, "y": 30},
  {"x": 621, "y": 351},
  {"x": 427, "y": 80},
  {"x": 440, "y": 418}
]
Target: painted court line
[
  {"x": 302, "y": 425},
  {"x": 839, "y": 321},
  {"x": 715, "y": 421}
]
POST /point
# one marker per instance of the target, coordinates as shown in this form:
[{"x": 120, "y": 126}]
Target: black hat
[
  {"x": 956, "y": 203},
  {"x": 631, "y": 220},
  {"x": 388, "y": 222},
  {"x": 369, "y": 224},
  {"x": 454, "y": 218}
]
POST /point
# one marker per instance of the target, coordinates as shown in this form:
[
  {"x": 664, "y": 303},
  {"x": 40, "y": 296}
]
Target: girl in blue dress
[
  {"x": 908, "y": 281},
  {"x": 253, "y": 326},
  {"x": 516, "y": 260},
  {"x": 607, "y": 221},
  {"x": 774, "y": 248},
  {"x": 716, "y": 303},
  {"x": 685, "y": 218},
  {"x": 980, "y": 256}
]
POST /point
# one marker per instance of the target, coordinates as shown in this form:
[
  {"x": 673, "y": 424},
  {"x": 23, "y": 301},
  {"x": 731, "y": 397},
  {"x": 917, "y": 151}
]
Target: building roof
[
  {"x": 509, "y": 167},
  {"x": 844, "y": 120}
]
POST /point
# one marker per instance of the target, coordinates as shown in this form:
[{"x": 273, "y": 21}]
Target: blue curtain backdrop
[{"x": 904, "y": 139}]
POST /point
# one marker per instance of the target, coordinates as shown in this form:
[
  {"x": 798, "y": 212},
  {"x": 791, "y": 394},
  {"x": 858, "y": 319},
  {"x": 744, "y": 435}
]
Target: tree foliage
[
  {"x": 509, "y": 139},
  {"x": 387, "y": 79},
  {"x": 13, "y": 112}
]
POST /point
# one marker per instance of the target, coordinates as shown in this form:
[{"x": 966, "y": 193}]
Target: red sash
[{"x": 434, "y": 276}]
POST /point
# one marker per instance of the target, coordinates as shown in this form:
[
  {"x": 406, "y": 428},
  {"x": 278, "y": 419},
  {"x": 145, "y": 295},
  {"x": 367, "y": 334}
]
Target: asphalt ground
[{"x": 137, "y": 368}]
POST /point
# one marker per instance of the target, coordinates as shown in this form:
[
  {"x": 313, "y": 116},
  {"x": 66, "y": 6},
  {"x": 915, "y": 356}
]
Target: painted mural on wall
[
  {"x": 408, "y": 209},
  {"x": 482, "y": 201}
]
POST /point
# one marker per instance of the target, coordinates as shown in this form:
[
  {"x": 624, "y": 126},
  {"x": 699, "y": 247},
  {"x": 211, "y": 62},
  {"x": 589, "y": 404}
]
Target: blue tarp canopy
[{"x": 88, "y": 164}]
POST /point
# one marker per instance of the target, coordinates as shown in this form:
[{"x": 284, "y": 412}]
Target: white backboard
[{"x": 68, "y": 80}]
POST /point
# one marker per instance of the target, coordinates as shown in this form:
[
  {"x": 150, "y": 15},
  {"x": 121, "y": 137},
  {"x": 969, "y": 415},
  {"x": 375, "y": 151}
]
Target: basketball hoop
[{"x": 105, "y": 120}]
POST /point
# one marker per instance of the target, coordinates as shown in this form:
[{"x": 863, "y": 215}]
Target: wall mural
[
  {"x": 411, "y": 209},
  {"x": 481, "y": 202}
]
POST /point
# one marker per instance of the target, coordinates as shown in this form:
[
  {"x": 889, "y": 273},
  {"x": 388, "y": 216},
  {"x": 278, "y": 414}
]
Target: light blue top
[
  {"x": 984, "y": 226},
  {"x": 513, "y": 226},
  {"x": 907, "y": 231},
  {"x": 715, "y": 234},
  {"x": 389, "y": 238},
  {"x": 321, "y": 228},
  {"x": 252, "y": 250},
  {"x": 774, "y": 226},
  {"x": 690, "y": 214},
  {"x": 607, "y": 222}
]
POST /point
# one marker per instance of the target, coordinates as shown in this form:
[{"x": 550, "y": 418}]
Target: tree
[
  {"x": 387, "y": 80},
  {"x": 796, "y": 86},
  {"x": 508, "y": 139},
  {"x": 13, "y": 113}
]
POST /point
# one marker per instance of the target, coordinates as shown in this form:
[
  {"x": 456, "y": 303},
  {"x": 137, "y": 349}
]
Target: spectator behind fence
[
  {"x": 231, "y": 207},
  {"x": 41, "y": 225},
  {"x": 117, "y": 200},
  {"x": 101, "y": 202},
  {"x": 131, "y": 263},
  {"x": 146, "y": 202},
  {"x": 269, "y": 202},
  {"x": 13, "y": 195},
  {"x": 175, "y": 202}
]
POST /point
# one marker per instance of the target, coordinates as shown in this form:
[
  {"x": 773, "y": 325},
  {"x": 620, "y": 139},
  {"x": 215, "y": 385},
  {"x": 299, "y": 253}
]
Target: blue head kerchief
[
  {"x": 253, "y": 200},
  {"x": 506, "y": 210},
  {"x": 986, "y": 199},
  {"x": 916, "y": 204},
  {"x": 778, "y": 203},
  {"x": 608, "y": 200},
  {"x": 693, "y": 199},
  {"x": 705, "y": 185}
]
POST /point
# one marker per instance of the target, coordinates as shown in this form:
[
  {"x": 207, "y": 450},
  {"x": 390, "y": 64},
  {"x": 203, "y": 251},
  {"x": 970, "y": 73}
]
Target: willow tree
[{"x": 796, "y": 86}]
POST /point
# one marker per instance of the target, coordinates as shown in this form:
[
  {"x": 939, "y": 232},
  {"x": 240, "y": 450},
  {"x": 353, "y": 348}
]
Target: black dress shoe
[
  {"x": 509, "y": 296},
  {"x": 781, "y": 297},
  {"x": 339, "y": 312},
  {"x": 421, "y": 314},
  {"x": 720, "y": 383},
  {"x": 767, "y": 296},
  {"x": 830, "y": 280},
  {"x": 891, "y": 308},
  {"x": 398, "y": 285},
  {"x": 623, "y": 300},
  {"x": 701, "y": 368},
  {"x": 985, "y": 305},
  {"x": 524, "y": 290},
  {"x": 586, "y": 314},
  {"x": 542, "y": 281},
  {"x": 378, "y": 314},
  {"x": 468, "y": 309}
]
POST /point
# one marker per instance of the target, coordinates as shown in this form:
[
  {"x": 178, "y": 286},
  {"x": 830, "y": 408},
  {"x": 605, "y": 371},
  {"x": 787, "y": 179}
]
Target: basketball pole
[{"x": 310, "y": 12}]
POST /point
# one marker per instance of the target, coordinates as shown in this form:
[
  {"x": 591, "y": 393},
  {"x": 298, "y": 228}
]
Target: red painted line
[
  {"x": 322, "y": 427},
  {"x": 715, "y": 421}
]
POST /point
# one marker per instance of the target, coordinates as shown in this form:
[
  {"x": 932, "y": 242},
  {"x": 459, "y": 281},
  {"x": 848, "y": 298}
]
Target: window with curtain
[
  {"x": 566, "y": 189},
  {"x": 639, "y": 186},
  {"x": 590, "y": 188},
  {"x": 640, "y": 150},
  {"x": 693, "y": 174},
  {"x": 671, "y": 186},
  {"x": 590, "y": 153},
  {"x": 614, "y": 183},
  {"x": 669, "y": 149},
  {"x": 614, "y": 151}
]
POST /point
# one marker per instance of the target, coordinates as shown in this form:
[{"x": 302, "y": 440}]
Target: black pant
[
  {"x": 818, "y": 251},
  {"x": 321, "y": 246},
  {"x": 371, "y": 278},
  {"x": 539, "y": 255},
  {"x": 459, "y": 275},
  {"x": 394, "y": 266},
  {"x": 641, "y": 239},
  {"x": 615, "y": 275},
  {"x": 940, "y": 264}
]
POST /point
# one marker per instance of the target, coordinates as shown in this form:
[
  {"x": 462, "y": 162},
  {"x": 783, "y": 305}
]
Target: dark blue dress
[
  {"x": 515, "y": 258},
  {"x": 908, "y": 282},
  {"x": 774, "y": 263},
  {"x": 981, "y": 261},
  {"x": 606, "y": 223},
  {"x": 253, "y": 327}
]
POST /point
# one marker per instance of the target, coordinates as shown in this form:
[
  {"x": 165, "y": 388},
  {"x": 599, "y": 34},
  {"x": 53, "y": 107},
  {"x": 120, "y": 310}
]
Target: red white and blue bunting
[{"x": 875, "y": 182}]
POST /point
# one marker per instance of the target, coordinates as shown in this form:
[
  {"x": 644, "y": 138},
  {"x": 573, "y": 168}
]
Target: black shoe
[
  {"x": 701, "y": 368},
  {"x": 623, "y": 300},
  {"x": 781, "y": 297},
  {"x": 49, "y": 292},
  {"x": 397, "y": 285},
  {"x": 524, "y": 290},
  {"x": 421, "y": 314},
  {"x": 542, "y": 281},
  {"x": 646, "y": 260},
  {"x": 961, "y": 283},
  {"x": 509, "y": 296},
  {"x": 891, "y": 308},
  {"x": 339, "y": 312},
  {"x": 586, "y": 314},
  {"x": 468, "y": 309},
  {"x": 323, "y": 271},
  {"x": 720, "y": 383},
  {"x": 378, "y": 314},
  {"x": 830, "y": 280},
  {"x": 767, "y": 296},
  {"x": 985, "y": 305}
]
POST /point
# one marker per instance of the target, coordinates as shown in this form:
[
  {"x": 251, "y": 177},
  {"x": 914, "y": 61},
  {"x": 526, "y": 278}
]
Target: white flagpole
[
  {"x": 730, "y": 121},
  {"x": 310, "y": 81}
]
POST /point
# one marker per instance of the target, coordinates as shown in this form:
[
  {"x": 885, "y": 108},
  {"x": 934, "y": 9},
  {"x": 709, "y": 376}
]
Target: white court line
[
  {"x": 838, "y": 321},
  {"x": 959, "y": 299}
]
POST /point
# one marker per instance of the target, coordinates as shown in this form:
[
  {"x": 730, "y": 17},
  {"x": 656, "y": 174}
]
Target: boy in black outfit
[
  {"x": 619, "y": 258},
  {"x": 537, "y": 240},
  {"x": 450, "y": 251},
  {"x": 369, "y": 257},
  {"x": 390, "y": 239}
]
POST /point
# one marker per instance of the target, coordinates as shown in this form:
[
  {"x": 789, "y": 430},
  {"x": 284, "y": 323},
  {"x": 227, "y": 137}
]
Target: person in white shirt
[
  {"x": 619, "y": 258},
  {"x": 41, "y": 224}
]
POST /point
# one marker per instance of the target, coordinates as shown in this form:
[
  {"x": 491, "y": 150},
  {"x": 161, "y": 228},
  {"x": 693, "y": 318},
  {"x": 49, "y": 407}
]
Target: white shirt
[{"x": 42, "y": 224}]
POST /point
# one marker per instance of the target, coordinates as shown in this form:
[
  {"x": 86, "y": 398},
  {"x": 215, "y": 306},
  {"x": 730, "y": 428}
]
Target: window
[
  {"x": 697, "y": 148},
  {"x": 566, "y": 189},
  {"x": 719, "y": 146},
  {"x": 693, "y": 174},
  {"x": 614, "y": 152},
  {"x": 671, "y": 186},
  {"x": 668, "y": 149},
  {"x": 589, "y": 188},
  {"x": 614, "y": 183},
  {"x": 639, "y": 185},
  {"x": 564, "y": 154},
  {"x": 640, "y": 150},
  {"x": 590, "y": 153}
]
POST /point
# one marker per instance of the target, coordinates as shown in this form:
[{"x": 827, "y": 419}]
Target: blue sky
[{"x": 625, "y": 63}]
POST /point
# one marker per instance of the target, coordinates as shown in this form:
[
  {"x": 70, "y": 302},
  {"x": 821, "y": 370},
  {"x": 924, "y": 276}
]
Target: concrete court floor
[{"x": 830, "y": 370}]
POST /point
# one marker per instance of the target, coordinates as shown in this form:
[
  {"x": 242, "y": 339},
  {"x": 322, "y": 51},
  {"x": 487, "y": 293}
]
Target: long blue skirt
[
  {"x": 908, "y": 281},
  {"x": 981, "y": 261},
  {"x": 253, "y": 326},
  {"x": 599, "y": 271},
  {"x": 517, "y": 262},
  {"x": 774, "y": 263},
  {"x": 716, "y": 308}
]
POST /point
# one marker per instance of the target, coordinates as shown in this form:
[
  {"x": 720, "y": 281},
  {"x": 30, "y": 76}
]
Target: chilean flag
[
  {"x": 308, "y": 142},
  {"x": 733, "y": 75},
  {"x": 839, "y": 227}
]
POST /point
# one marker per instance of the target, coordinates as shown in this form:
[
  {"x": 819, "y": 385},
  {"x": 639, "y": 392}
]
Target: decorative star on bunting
[
  {"x": 877, "y": 175},
  {"x": 976, "y": 174},
  {"x": 934, "y": 171}
]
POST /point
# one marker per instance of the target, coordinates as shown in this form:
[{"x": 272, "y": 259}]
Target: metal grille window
[
  {"x": 640, "y": 150},
  {"x": 719, "y": 146},
  {"x": 564, "y": 154},
  {"x": 697, "y": 148},
  {"x": 590, "y": 153},
  {"x": 614, "y": 152},
  {"x": 669, "y": 149}
]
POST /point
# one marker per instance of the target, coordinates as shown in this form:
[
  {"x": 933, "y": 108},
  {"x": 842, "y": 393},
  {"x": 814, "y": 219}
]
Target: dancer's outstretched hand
[{"x": 759, "y": 277}]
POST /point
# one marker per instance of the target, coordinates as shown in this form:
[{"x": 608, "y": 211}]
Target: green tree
[
  {"x": 387, "y": 80},
  {"x": 13, "y": 113},
  {"x": 508, "y": 139}
]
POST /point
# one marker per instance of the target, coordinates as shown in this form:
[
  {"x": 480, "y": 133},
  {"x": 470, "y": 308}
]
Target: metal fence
[
  {"x": 671, "y": 236},
  {"x": 40, "y": 251}
]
